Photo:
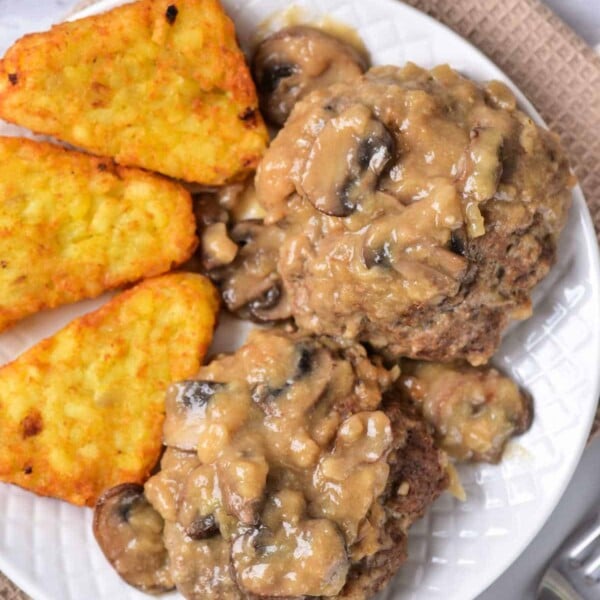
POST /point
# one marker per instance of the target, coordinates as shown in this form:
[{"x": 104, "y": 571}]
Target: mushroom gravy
[
  {"x": 276, "y": 459},
  {"x": 474, "y": 411},
  {"x": 130, "y": 533},
  {"x": 410, "y": 209}
]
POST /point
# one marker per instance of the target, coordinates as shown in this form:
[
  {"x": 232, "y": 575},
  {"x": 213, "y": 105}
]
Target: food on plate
[
  {"x": 74, "y": 225},
  {"x": 417, "y": 208},
  {"x": 296, "y": 60},
  {"x": 408, "y": 210},
  {"x": 474, "y": 410},
  {"x": 158, "y": 84},
  {"x": 250, "y": 284},
  {"x": 130, "y": 532},
  {"x": 240, "y": 253},
  {"x": 82, "y": 411},
  {"x": 284, "y": 476}
]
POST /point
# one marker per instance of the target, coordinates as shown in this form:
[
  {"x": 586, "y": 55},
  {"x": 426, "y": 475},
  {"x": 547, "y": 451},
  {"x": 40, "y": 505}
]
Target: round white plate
[{"x": 458, "y": 549}]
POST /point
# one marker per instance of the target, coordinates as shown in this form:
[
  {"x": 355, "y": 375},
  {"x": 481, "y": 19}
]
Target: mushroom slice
[
  {"x": 346, "y": 160},
  {"x": 309, "y": 374},
  {"x": 459, "y": 243},
  {"x": 251, "y": 284},
  {"x": 216, "y": 248},
  {"x": 290, "y": 555},
  {"x": 186, "y": 411},
  {"x": 246, "y": 231},
  {"x": 129, "y": 532},
  {"x": 272, "y": 305},
  {"x": 198, "y": 503},
  {"x": 202, "y": 528},
  {"x": 297, "y": 60}
]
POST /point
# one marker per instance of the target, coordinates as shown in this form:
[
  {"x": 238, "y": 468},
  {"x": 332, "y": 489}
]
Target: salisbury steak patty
[
  {"x": 417, "y": 477},
  {"x": 285, "y": 476},
  {"x": 419, "y": 209}
]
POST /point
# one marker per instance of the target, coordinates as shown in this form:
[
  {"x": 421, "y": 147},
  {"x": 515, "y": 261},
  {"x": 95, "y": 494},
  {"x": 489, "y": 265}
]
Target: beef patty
[
  {"x": 413, "y": 210},
  {"x": 286, "y": 475}
]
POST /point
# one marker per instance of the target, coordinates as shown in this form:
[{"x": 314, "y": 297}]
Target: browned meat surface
[{"x": 417, "y": 477}]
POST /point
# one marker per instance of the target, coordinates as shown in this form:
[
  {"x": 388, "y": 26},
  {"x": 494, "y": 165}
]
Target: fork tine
[
  {"x": 592, "y": 567},
  {"x": 583, "y": 546}
]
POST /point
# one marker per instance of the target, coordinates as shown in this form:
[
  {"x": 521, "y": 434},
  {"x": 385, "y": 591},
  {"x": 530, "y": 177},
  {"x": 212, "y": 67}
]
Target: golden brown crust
[
  {"x": 74, "y": 225},
  {"x": 82, "y": 411},
  {"x": 159, "y": 84}
]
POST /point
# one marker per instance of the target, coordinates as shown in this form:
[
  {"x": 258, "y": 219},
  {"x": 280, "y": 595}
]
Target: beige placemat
[{"x": 555, "y": 69}]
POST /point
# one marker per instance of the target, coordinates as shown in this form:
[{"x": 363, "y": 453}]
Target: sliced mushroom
[
  {"x": 251, "y": 284},
  {"x": 268, "y": 299},
  {"x": 308, "y": 377},
  {"x": 474, "y": 410},
  {"x": 459, "y": 242},
  {"x": 297, "y": 60},
  {"x": 246, "y": 231},
  {"x": 414, "y": 242},
  {"x": 202, "y": 528},
  {"x": 208, "y": 210},
  {"x": 240, "y": 201},
  {"x": 380, "y": 256},
  {"x": 272, "y": 305},
  {"x": 346, "y": 160},
  {"x": 216, "y": 248},
  {"x": 295, "y": 557},
  {"x": 129, "y": 532},
  {"x": 198, "y": 503},
  {"x": 426, "y": 258},
  {"x": 186, "y": 410}
]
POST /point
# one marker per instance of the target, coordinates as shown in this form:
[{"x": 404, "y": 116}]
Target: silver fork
[{"x": 574, "y": 573}]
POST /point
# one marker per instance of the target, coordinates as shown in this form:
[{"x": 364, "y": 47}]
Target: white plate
[{"x": 458, "y": 549}]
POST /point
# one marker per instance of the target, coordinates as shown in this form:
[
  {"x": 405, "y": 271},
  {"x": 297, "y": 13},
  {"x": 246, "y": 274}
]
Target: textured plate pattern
[{"x": 458, "y": 549}]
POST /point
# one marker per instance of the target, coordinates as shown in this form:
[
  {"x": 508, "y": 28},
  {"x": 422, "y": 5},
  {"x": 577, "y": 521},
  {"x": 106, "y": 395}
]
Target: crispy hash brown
[
  {"x": 159, "y": 84},
  {"x": 82, "y": 411},
  {"x": 72, "y": 226}
]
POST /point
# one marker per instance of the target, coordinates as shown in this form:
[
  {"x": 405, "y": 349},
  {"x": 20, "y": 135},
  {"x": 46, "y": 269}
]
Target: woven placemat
[{"x": 553, "y": 67}]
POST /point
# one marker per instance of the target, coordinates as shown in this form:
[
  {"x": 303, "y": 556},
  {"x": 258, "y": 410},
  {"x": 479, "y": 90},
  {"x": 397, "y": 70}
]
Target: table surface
[{"x": 583, "y": 493}]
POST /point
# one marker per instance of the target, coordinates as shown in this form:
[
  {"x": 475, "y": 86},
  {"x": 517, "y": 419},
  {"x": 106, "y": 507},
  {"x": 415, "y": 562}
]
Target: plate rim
[{"x": 592, "y": 251}]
